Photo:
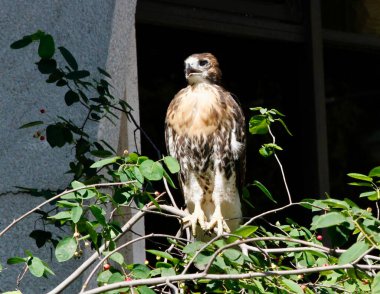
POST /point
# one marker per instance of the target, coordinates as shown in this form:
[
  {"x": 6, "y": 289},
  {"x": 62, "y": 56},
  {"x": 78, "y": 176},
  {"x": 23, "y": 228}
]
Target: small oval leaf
[
  {"x": 65, "y": 249},
  {"x": 151, "y": 170},
  {"x": 36, "y": 267},
  {"x": 172, "y": 164}
]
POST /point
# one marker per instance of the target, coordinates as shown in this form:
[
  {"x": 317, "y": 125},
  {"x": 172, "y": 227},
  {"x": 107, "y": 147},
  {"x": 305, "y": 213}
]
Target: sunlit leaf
[
  {"x": 104, "y": 162},
  {"x": 264, "y": 190},
  {"x": 258, "y": 125},
  {"x": 36, "y": 267},
  {"x": 354, "y": 252},
  {"x": 65, "y": 249},
  {"x": 76, "y": 213},
  {"x": 360, "y": 177},
  {"x": 172, "y": 164},
  {"x": 327, "y": 220},
  {"x": 151, "y": 170},
  {"x": 376, "y": 284},
  {"x": 291, "y": 285}
]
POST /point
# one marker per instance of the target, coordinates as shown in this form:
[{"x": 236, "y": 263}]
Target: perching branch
[{"x": 203, "y": 275}]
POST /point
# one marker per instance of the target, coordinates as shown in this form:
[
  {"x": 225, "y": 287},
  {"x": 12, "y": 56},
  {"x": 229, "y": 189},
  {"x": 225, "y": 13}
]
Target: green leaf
[
  {"x": 167, "y": 272},
  {"x": 117, "y": 257},
  {"x": 151, "y": 170},
  {"x": 264, "y": 190},
  {"x": 376, "y": 284},
  {"x": 101, "y": 153},
  {"x": 36, "y": 267},
  {"x": 71, "y": 97},
  {"x": 244, "y": 232},
  {"x": 360, "y": 184},
  {"x": 65, "y": 249},
  {"x": 16, "y": 259},
  {"x": 58, "y": 135},
  {"x": 336, "y": 203},
  {"x": 354, "y": 252},
  {"x": 105, "y": 161},
  {"x": 265, "y": 152},
  {"x": 69, "y": 58},
  {"x": 258, "y": 124},
  {"x": 234, "y": 256},
  {"x": 46, "y": 48},
  {"x": 25, "y": 41},
  {"x": 32, "y": 124},
  {"x": 12, "y": 292},
  {"x": 104, "y": 276},
  {"x": 372, "y": 195},
  {"x": 140, "y": 271},
  {"x": 284, "y": 125},
  {"x": 163, "y": 255},
  {"x": 99, "y": 214},
  {"x": 293, "y": 286},
  {"x": 116, "y": 277},
  {"x": 76, "y": 213},
  {"x": 172, "y": 164},
  {"x": 145, "y": 290},
  {"x": 375, "y": 172},
  {"x": 360, "y": 177},
  {"x": 191, "y": 248},
  {"x": 327, "y": 220},
  {"x": 78, "y": 74},
  {"x": 61, "y": 215}
]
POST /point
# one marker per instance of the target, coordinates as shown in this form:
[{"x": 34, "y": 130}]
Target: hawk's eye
[{"x": 203, "y": 62}]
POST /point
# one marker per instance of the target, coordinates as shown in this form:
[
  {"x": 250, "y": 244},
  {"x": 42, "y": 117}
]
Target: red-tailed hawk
[{"x": 205, "y": 133}]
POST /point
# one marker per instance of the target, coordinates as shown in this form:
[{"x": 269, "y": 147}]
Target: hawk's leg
[
  {"x": 196, "y": 217},
  {"x": 194, "y": 196},
  {"x": 219, "y": 195}
]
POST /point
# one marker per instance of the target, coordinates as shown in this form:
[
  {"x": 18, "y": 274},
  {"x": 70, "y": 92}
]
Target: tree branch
[{"x": 177, "y": 278}]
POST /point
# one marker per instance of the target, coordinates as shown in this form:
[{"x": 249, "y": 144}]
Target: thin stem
[
  {"x": 281, "y": 168},
  {"x": 169, "y": 193}
]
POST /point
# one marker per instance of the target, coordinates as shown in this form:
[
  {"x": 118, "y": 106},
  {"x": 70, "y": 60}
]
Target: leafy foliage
[{"x": 284, "y": 257}]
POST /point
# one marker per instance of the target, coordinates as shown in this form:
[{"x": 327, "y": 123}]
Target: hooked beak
[{"x": 190, "y": 71}]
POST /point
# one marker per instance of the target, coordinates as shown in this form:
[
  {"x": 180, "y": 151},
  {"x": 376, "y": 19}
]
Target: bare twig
[{"x": 15, "y": 221}]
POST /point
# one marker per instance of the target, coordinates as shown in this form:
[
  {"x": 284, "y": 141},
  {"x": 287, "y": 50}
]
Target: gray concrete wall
[{"x": 98, "y": 33}]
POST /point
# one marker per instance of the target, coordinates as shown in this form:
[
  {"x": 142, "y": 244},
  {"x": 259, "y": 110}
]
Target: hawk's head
[{"x": 202, "y": 67}]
